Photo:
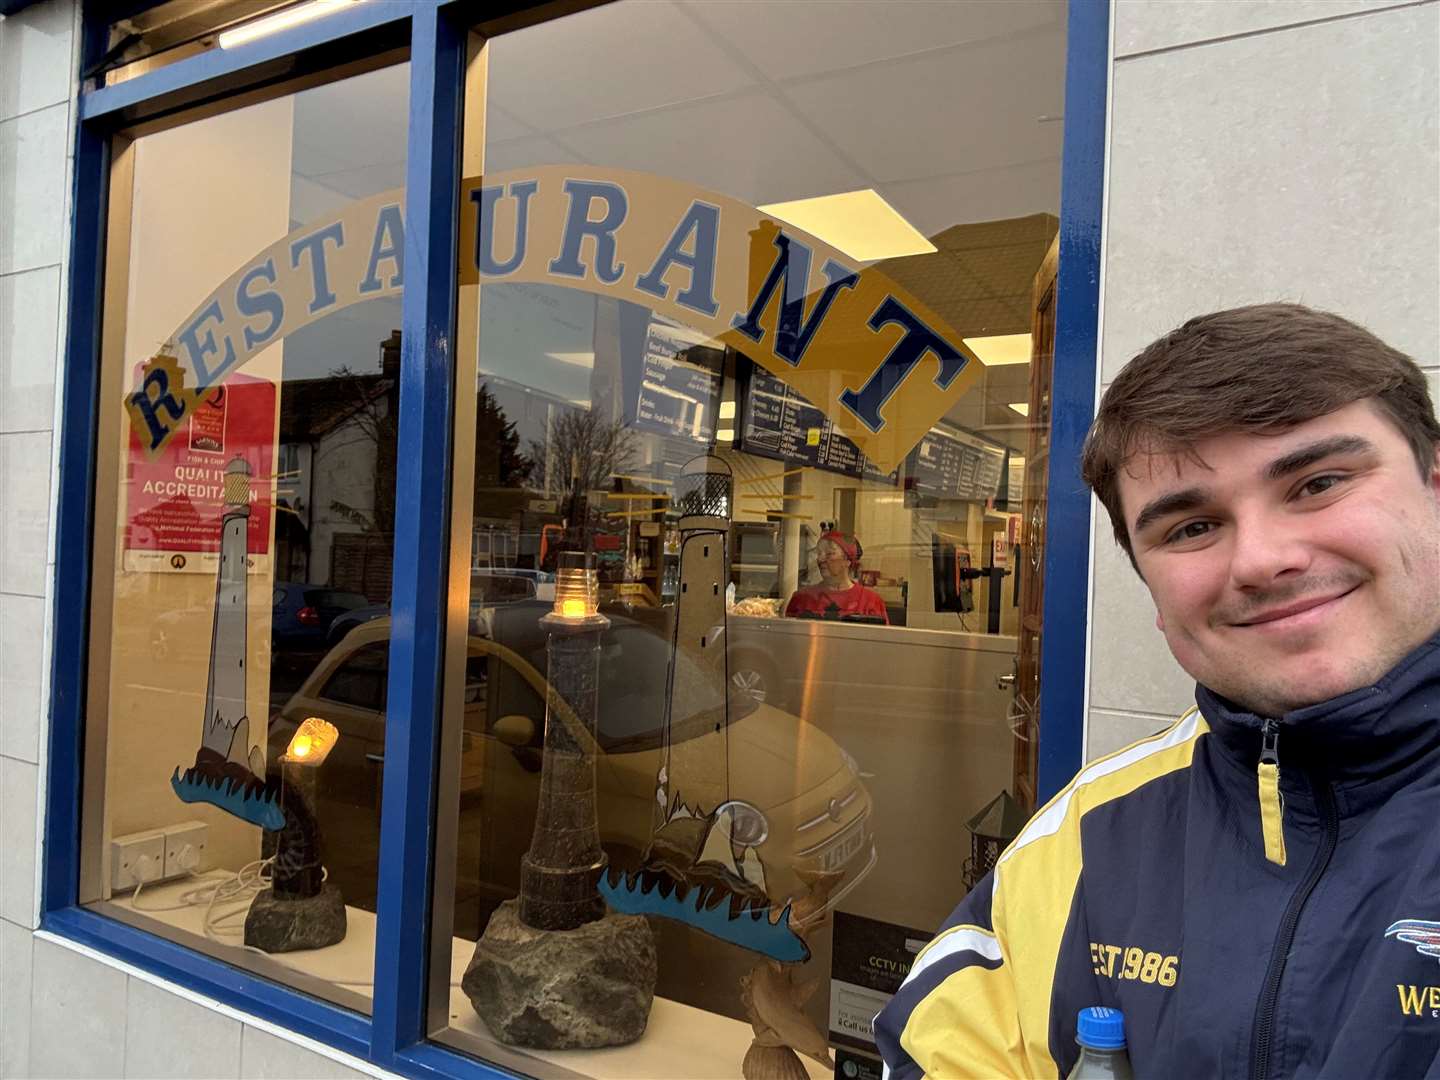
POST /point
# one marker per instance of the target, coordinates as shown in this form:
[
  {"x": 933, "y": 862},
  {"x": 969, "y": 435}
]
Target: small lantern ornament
[{"x": 991, "y": 831}]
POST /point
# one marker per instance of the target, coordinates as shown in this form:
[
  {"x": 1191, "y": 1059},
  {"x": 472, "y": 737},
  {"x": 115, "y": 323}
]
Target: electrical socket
[
  {"x": 193, "y": 833},
  {"x": 125, "y": 853}
]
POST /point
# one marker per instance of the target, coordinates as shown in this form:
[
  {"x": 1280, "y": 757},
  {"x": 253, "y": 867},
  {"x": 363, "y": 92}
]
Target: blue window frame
[{"x": 394, "y": 1036}]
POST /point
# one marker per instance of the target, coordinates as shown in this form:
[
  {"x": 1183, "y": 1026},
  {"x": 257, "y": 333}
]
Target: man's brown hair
[{"x": 1267, "y": 367}]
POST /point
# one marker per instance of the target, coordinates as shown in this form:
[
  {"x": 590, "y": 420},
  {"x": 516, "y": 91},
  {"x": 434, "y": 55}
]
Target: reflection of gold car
[{"x": 812, "y": 811}]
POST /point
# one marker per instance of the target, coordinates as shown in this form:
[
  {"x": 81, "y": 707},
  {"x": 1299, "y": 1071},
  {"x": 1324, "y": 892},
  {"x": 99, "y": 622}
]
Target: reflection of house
[{"x": 337, "y": 469}]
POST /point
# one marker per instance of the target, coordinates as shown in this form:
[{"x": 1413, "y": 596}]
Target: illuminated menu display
[
  {"x": 680, "y": 383},
  {"x": 951, "y": 464},
  {"x": 777, "y": 422}
]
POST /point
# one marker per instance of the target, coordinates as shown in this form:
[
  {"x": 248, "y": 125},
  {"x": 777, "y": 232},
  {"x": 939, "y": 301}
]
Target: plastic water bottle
[{"x": 1101, "y": 1035}]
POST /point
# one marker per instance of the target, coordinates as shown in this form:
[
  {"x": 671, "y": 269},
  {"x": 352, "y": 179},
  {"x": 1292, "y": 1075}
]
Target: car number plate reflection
[{"x": 841, "y": 851}]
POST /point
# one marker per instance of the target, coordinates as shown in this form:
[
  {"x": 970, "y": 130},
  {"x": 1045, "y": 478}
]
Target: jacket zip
[{"x": 1264, "y": 1031}]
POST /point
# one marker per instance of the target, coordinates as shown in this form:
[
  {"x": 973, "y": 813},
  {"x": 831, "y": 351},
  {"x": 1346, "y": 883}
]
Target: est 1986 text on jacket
[{"x": 1260, "y": 898}]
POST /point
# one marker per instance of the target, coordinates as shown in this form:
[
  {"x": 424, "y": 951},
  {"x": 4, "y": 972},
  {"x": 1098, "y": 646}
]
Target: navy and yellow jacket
[{"x": 1246, "y": 927}]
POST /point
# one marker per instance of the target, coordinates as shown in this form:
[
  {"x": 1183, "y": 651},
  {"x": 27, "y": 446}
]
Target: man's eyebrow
[
  {"x": 1302, "y": 457},
  {"x": 1171, "y": 503}
]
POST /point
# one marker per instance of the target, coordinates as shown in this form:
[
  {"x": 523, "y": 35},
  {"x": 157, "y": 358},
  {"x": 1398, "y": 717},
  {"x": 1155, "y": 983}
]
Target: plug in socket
[
  {"x": 125, "y": 853},
  {"x": 178, "y": 862}
]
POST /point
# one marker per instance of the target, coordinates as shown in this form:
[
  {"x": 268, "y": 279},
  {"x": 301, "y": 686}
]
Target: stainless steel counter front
[{"x": 923, "y": 714}]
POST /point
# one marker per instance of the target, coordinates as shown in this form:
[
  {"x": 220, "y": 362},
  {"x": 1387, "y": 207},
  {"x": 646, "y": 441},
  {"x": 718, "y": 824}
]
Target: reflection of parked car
[
  {"x": 487, "y": 588},
  {"x": 301, "y": 614},
  {"x": 813, "y": 805}
]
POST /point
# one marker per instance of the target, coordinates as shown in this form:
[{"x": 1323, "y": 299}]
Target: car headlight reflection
[{"x": 748, "y": 825}]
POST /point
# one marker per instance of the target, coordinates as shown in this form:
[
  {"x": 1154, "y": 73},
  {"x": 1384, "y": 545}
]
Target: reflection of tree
[
  {"x": 498, "y": 461},
  {"x": 581, "y": 451},
  {"x": 373, "y": 411}
]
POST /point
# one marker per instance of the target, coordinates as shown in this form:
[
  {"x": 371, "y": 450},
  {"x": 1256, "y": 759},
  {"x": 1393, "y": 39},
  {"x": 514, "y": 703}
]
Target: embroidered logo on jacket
[
  {"x": 1422, "y": 933},
  {"x": 1130, "y": 962},
  {"x": 1425, "y": 936}
]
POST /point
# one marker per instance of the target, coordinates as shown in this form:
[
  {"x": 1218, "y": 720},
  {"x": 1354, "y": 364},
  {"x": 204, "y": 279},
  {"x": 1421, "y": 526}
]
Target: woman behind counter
[{"x": 839, "y": 595}]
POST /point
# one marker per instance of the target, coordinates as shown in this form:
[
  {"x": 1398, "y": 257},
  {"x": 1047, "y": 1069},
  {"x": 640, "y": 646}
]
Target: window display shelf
[{"x": 710, "y": 1045}]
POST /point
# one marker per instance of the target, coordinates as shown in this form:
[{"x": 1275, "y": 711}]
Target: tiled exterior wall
[
  {"x": 1275, "y": 150},
  {"x": 1258, "y": 150},
  {"x": 64, "y": 1012}
]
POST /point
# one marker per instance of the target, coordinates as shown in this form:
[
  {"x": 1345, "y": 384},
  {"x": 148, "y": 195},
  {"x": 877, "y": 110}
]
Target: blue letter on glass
[
  {"x": 703, "y": 220},
  {"x": 792, "y": 265},
  {"x": 487, "y": 197},
  {"x": 918, "y": 340},
  {"x": 578, "y": 226},
  {"x": 389, "y": 243}
]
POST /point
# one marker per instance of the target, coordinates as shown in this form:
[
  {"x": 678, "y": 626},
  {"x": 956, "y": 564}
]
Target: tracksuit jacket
[{"x": 1261, "y": 898}]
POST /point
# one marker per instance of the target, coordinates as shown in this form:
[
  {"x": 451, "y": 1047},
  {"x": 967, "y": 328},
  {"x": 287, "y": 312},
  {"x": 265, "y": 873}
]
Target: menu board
[
  {"x": 952, "y": 464},
  {"x": 777, "y": 422},
  {"x": 679, "y": 384}
]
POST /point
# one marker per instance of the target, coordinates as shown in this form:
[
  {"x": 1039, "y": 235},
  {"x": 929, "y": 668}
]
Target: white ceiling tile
[
  {"x": 954, "y": 111},
  {"x": 796, "y": 39},
  {"x": 609, "y": 61},
  {"x": 748, "y": 147},
  {"x": 935, "y": 204},
  {"x": 528, "y": 152}
]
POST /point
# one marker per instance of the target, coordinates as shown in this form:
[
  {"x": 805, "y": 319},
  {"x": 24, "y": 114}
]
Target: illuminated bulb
[
  {"x": 312, "y": 742},
  {"x": 577, "y": 587},
  {"x": 281, "y": 20}
]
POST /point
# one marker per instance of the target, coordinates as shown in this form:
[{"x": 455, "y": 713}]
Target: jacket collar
[{"x": 1376, "y": 733}]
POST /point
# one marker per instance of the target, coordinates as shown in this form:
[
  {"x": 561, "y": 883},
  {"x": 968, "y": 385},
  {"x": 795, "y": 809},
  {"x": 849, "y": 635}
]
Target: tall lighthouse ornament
[
  {"x": 703, "y": 866},
  {"x": 228, "y": 770}
]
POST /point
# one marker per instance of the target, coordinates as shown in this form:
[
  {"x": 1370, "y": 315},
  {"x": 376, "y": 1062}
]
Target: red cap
[{"x": 846, "y": 543}]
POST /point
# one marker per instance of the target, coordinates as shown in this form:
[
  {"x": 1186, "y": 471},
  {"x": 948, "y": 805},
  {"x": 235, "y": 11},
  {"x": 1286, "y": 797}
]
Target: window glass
[
  {"x": 245, "y": 524},
  {"x": 754, "y": 360},
  {"x": 360, "y": 680}
]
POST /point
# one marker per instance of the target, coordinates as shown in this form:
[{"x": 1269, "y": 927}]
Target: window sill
[{"x": 344, "y": 974}]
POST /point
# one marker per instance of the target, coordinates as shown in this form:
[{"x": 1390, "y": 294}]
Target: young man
[{"x": 1257, "y": 887}]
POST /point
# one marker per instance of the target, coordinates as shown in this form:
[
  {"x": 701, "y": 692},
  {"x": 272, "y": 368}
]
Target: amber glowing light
[
  {"x": 577, "y": 587},
  {"x": 312, "y": 742}
]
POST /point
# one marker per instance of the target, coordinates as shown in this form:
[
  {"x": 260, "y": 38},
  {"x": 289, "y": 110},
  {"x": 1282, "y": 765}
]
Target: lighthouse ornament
[
  {"x": 703, "y": 866},
  {"x": 228, "y": 770}
]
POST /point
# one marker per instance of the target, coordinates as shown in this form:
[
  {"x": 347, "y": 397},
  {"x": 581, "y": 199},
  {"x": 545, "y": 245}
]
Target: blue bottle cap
[{"x": 1100, "y": 1028}]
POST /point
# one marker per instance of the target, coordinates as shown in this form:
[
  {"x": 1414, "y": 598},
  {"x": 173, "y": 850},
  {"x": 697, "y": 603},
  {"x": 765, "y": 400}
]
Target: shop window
[
  {"x": 245, "y": 514},
  {"x": 753, "y": 369}
]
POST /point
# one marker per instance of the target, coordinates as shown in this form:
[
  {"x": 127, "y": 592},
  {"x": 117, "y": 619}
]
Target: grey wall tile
[
  {"x": 16, "y": 943},
  {"x": 264, "y": 1056},
  {"x": 77, "y": 1015},
  {"x": 33, "y": 151},
  {"x": 1131, "y": 668},
  {"x": 29, "y": 318},
  {"x": 24, "y": 512},
  {"x": 1299, "y": 165},
  {"x": 170, "y": 1036},
  {"x": 36, "y": 51},
  {"x": 18, "y": 793},
  {"x": 22, "y": 643},
  {"x": 1111, "y": 731},
  {"x": 1141, "y": 25}
]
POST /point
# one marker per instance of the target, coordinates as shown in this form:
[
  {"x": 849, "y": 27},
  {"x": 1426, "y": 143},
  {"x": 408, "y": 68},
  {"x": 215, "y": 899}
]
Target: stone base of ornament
[
  {"x": 279, "y": 924},
  {"x": 563, "y": 989}
]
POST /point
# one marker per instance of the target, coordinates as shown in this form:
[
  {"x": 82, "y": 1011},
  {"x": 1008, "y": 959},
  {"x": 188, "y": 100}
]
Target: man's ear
[{"x": 1159, "y": 621}]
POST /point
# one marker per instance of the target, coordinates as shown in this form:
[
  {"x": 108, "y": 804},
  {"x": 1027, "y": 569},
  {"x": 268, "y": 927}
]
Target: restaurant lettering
[{"x": 880, "y": 364}]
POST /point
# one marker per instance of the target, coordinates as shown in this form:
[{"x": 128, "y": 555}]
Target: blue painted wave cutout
[
  {"x": 259, "y": 807},
  {"x": 750, "y": 929}
]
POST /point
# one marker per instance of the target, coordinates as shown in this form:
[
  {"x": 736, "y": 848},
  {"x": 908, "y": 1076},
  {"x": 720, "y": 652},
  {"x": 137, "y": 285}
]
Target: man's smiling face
[{"x": 1289, "y": 568}]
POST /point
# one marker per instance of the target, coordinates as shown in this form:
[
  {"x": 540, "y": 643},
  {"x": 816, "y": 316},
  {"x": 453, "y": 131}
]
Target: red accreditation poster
[{"x": 176, "y": 498}]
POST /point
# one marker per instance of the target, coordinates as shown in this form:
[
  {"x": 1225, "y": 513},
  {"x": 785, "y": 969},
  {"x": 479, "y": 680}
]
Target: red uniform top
[{"x": 819, "y": 602}]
